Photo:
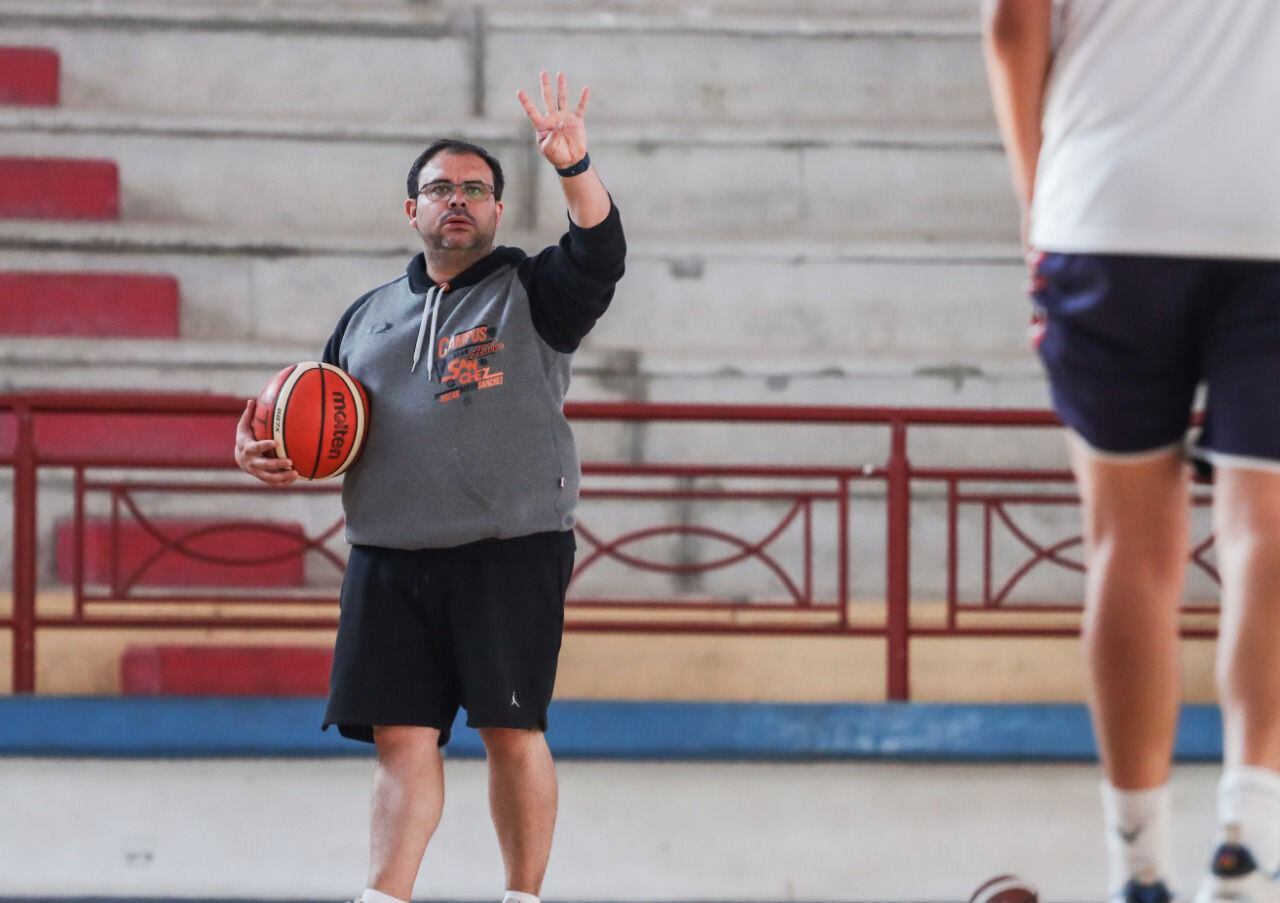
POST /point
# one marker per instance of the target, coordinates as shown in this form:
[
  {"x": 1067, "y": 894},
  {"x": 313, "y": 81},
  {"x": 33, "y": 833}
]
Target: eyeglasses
[{"x": 441, "y": 190}]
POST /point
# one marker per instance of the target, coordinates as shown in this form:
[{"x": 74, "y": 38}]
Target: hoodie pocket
[{"x": 468, "y": 483}]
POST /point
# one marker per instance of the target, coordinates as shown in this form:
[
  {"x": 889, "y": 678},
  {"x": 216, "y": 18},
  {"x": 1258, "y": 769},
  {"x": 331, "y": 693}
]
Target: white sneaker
[{"x": 1234, "y": 877}]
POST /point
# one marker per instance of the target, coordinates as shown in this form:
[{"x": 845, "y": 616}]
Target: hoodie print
[{"x": 464, "y": 362}]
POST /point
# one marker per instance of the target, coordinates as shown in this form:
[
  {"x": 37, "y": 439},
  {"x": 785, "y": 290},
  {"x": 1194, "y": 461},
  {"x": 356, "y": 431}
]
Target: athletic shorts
[
  {"x": 1126, "y": 340},
  {"x": 424, "y": 632}
]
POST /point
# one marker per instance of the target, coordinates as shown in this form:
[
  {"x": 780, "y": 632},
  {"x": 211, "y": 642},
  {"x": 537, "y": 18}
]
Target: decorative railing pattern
[{"x": 755, "y": 548}]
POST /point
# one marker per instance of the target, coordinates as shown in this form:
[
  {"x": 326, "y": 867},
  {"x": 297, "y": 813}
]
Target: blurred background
[{"x": 821, "y": 639}]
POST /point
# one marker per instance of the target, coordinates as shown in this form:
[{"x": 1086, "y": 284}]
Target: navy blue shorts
[{"x": 1126, "y": 340}]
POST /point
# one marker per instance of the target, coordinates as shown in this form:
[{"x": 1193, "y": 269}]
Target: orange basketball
[
  {"x": 318, "y": 416},
  {"x": 1006, "y": 889}
]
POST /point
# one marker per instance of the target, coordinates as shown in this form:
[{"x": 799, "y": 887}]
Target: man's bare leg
[
  {"x": 408, "y": 797},
  {"x": 522, "y": 800},
  {"x": 1136, "y": 524},
  {"x": 1247, "y": 534},
  {"x": 1137, "y": 542}
]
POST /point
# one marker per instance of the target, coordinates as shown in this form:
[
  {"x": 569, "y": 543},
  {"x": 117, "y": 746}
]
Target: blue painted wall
[{"x": 175, "y": 727}]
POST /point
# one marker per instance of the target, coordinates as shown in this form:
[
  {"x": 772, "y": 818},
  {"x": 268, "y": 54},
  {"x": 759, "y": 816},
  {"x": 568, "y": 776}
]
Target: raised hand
[{"x": 562, "y": 133}]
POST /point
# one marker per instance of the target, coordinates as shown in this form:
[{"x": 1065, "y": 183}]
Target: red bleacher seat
[
  {"x": 59, "y": 189},
  {"x": 121, "y": 305},
  {"x": 225, "y": 671},
  {"x": 134, "y": 545},
  {"x": 29, "y": 76}
]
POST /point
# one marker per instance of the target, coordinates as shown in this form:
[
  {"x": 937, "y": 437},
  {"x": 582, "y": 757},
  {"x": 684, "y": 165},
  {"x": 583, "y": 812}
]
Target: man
[
  {"x": 460, "y": 509},
  {"x": 1142, "y": 138}
]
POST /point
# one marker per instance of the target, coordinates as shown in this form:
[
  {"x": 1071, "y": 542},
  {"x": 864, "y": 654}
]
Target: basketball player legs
[
  {"x": 1247, "y": 531},
  {"x": 408, "y": 797},
  {"x": 522, "y": 800},
  {"x": 1136, "y": 539}
]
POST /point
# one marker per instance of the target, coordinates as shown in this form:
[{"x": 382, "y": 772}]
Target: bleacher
[{"x": 850, "y": 215}]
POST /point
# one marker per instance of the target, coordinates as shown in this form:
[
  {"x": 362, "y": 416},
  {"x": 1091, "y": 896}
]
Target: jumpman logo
[{"x": 513, "y": 699}]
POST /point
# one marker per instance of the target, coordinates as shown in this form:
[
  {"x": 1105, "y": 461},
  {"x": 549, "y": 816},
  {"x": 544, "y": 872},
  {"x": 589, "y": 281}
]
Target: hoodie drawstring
[{"x": 431, "y": 311}]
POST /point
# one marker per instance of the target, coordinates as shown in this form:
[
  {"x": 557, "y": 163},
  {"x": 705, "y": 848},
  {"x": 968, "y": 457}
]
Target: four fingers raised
[{"x": 552, "y": 104}]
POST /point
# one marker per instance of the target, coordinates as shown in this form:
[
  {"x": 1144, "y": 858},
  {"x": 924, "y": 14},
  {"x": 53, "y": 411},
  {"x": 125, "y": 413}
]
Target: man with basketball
[
  {"x": 1142, "y": 138},
  {"x": 460, "y": 508}
]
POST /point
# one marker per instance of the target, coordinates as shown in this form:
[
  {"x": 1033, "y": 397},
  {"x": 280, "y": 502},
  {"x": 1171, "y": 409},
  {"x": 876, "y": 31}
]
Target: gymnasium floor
[{"x": 628, "y": 831}]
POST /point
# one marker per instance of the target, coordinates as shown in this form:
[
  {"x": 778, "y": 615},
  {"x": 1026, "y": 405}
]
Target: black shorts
[{"x": 423, "y": 632}]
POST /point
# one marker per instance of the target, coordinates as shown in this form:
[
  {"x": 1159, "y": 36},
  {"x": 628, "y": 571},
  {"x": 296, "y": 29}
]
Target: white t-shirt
[{"x": 1162, "y": 129}]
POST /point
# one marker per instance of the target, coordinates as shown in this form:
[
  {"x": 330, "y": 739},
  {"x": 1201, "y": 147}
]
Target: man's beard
[
  {"x": 437, "y": 240},
  {"x": 476, "y": 241}
]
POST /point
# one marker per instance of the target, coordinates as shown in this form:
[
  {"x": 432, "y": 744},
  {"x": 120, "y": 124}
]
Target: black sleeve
[
  {"x": 571, "y": 284},
  {"x": 333, "y": 348}
]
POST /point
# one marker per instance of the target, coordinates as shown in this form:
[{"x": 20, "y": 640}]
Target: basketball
[
  {"x": 1005, "y": 889},
  {"x": 318, "y": 416}
]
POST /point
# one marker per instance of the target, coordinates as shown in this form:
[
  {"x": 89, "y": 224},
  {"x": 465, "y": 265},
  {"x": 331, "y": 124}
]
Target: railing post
[
  {"x": 898, "y": 577},
  {"x": 24, "y": 555},
  {"x": 842, "y": 558}
]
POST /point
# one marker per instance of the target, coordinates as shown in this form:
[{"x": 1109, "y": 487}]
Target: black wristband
[{"x": 576, "y": 169}]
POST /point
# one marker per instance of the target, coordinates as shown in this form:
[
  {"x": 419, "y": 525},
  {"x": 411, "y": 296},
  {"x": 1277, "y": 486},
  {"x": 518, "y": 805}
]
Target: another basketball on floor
[
  {"x": 1005, "y": 889},
  {"x": 318, "y": 416}
]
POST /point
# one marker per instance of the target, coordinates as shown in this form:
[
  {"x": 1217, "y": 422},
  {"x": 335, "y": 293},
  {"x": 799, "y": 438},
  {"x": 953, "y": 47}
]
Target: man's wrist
[{"x": 576, "y": 169}]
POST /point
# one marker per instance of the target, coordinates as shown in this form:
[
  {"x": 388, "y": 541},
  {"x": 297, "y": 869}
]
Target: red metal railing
[{"x": 123, "y": 449}]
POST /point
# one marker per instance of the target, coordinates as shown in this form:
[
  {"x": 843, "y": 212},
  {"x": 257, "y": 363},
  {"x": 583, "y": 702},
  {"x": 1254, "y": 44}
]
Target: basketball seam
[
  {"x": 324, "y": 425},
  {"x": 282, "y": 405},
  {"x": 357, "y": 404},
  {"x": 994, "y": 888}
]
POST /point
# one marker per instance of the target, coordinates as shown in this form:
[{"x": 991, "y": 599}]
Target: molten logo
[{"x": 341, "y": 425}]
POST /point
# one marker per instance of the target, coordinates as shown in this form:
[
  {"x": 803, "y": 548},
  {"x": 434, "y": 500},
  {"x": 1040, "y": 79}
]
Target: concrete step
[
  {"x": 242, "y": 369},
  {"x": 866, "y": 63},
  {"x": 28, "y": 76},
  {"x": 670, "y": 182},
  {"x": 79, "y": 302},
  {"x": 41, "y": 186},
  {"x": 831, "y": 300}
]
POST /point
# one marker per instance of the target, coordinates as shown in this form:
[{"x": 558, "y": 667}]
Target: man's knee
[
  {"x": 1247, "y": 508},
  {"x": 510, "y": 742},
  {"x": 406, "y": 743}
]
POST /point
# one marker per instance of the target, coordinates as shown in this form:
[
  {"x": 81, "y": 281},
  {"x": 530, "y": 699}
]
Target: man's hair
[{"x": 454, "y": 146}]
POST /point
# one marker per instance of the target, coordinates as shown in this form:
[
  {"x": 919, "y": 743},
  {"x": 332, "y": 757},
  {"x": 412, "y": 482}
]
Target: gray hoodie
[{"x": 466, "y": 380}]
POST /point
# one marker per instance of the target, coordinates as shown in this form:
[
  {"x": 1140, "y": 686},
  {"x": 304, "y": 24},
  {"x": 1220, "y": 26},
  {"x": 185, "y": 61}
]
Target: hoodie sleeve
[
  {"x": 332, "y": 353},
  {"x": 571, "y": 284}
]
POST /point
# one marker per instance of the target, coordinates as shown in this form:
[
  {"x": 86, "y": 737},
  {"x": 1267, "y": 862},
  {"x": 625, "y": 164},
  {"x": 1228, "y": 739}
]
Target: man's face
[{"x": 455, "y": 222}]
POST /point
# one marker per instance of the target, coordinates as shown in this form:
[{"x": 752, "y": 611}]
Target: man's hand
[
  {"x": 252, "y": 454},
  {"x": 562, "y": 133}
]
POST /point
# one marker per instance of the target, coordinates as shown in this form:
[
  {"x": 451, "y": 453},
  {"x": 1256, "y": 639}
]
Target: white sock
[
  {"x": 376, "y": 896},
  {"x": 1249, "y": 799},
  {"x": 1137, "y": 829},
  {"x": 518, "y": 896}
]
